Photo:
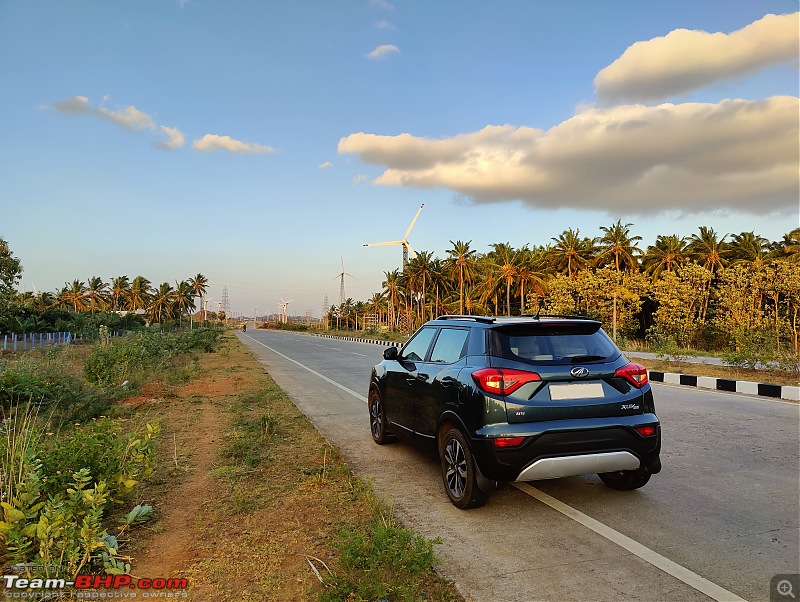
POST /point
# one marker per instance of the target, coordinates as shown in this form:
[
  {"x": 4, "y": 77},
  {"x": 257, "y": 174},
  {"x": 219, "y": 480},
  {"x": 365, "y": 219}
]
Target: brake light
[
  {"x": 506, "y": 442},
  {"x": 646, "y": 431},
  {"x": 502, "y": 381},
  {"x": 636, "y": 374}
]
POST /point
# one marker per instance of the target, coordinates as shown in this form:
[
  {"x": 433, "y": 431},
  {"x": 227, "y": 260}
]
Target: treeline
[
  {"x": 706, "y": 291},
  {"x": 83, "y": 305}
]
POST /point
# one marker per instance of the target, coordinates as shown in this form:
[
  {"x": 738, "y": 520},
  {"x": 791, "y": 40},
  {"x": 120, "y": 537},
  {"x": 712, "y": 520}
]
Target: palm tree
[
  {"x": 504, "y": 261},
  {"x": 570, "y": 251},
  {"x": 183, "y": 299},
  {"x": 161, "y": 305},
  {"x": 748, "y": 248},
  {"x": 529, "y": 272},
  {"x": 461, "y": 261},
  {"x": 668, "y": 252},
  {"x": 792, "y": 247},
  {"x": 419, "y": 271},
  {"x": 141, "y": 293},
  {"x": 120, "y": 289},
  {"x": 75, "y": 295},
  {"x": 96, "y": 293},
  {"x": 200, "y": 286},
  {"x": 618, "y": 243},
  {"x": 708, "y": 250},
  {"x": 391, "y": 288}
]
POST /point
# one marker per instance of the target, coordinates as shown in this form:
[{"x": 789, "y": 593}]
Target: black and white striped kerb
[{"x": 725, "y": 384}]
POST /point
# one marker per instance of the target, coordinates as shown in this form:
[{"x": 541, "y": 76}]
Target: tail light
[
  {"x": 646, "y": 431},
  {"x": 508, "y": 442},
  {"x": 636, "y": 374},
  {"x": 502, "y": 381}
]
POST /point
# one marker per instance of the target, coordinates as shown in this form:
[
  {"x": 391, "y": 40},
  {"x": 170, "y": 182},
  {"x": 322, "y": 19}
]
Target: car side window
[
  {"x": 416, "y": 349},
  {"x": 450, "y": 346}
]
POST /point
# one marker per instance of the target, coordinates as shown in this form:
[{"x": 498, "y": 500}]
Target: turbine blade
[
  {"x": 411, "y": 252},
  {"x": 351, "y": 276},
  {"x": 383, "y": 244},
  {"x": 413, "y": 221}
]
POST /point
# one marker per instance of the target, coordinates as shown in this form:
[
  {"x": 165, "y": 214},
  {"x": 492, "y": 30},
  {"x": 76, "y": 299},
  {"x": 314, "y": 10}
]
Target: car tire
[
  {"x": 458, "y": 471},
  {"x": 625, "y": 480},
  {"x": 377, "y": 419}
]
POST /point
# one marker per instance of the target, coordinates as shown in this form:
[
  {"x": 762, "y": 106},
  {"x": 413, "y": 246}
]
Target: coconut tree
[
  {"x": 200, "y": 286},
  {"x": 140, "y": 294},
  {"x": 461, "y": 262},
  {"x": 529, "y": 273},
  {"x": 161, "y": 304},
  {"x": 571, "y": 252},
  {"x": 391, "y": 288},
  {"x": 183, "y": 299},
  {"x": 708, "y": 249},
  {"x": 748, "y": 248},
  {"x": 74, "y": 295},
  {"x": 617, "y": 247},
  {"x": 120, "y": 289},
  {"x": 664, "y": 256},
  {"x": 96, "y": 293},
  {"x": 419, "y": 271},
  {"x": 504, "y": 262}
]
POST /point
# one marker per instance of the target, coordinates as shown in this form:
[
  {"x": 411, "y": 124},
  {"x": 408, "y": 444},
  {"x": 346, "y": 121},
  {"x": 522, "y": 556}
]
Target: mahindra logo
[{"x": 579, "y": 372}]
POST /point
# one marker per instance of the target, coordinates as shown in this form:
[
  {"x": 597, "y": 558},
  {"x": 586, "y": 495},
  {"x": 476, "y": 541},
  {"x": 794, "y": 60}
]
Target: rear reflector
[
  {"x": 636, "y": 374},
  {"x": 506, "y": 442},
  {"x": 502, "y": 381},
  {"x": 647, "y": 431}
]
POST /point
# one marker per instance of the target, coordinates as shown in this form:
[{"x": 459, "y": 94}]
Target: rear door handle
[
  {"x": 423, "y": 377},
  {"x": 411, "y": 381},
  {"x": 448, "y": 381}
]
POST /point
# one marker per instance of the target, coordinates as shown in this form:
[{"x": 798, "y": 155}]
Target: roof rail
[
  {"x": 567, "y": 316},
  {"x": 482, "y": 319}
]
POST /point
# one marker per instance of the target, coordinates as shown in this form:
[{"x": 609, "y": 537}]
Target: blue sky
[{"x": 262, "y": 143}]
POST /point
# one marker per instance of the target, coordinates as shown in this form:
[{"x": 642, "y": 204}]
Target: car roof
[{"x": 489, "y": 321}]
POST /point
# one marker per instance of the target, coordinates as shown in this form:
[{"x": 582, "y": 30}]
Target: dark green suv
[{"x": 518, "y": 399}]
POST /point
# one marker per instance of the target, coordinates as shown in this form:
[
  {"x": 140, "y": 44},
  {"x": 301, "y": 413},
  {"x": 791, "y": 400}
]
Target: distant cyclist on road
[{"x": 244, "y": 327}]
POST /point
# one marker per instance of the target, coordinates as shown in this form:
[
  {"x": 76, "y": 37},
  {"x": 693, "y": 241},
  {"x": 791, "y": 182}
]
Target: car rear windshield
[{"x": 553, "y": 343}]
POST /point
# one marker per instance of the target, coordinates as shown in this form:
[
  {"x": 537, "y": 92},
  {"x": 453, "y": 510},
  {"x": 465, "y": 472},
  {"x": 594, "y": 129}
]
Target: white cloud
[
  {"x": 685, "y": 60},
  {"x": 325, "y": 165},
  {"x": 359, "y": 179},
  {"x": 737, "y": 154},
  {"x": 383, "y": 51},
  {"x": 175, "y": 138},
  {"x": 129, "y": 117},
  {"x": 212, "y": 142},
  {"x": 74, "y": 105},
  {"x": 384, "y": 25}
]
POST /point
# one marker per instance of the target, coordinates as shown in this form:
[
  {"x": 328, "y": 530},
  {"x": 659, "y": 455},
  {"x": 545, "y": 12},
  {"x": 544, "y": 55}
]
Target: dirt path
[{"x": 170, "y": 549}]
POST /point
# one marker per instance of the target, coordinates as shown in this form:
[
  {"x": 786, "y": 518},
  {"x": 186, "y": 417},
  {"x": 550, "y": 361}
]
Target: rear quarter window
[{"x": 550, "y": 343}]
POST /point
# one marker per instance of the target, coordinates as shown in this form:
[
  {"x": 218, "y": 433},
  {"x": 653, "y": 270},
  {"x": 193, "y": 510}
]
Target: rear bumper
[
  {"x": 568, "y": 447},
  {"x": 567, "y": 466}
]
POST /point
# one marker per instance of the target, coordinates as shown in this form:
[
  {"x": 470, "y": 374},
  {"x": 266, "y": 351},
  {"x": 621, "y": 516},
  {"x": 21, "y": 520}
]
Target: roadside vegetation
[{"x": 71, "y": 463}]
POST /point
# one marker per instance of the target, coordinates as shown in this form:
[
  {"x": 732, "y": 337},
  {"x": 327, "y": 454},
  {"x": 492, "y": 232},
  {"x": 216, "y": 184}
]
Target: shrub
[{"x": 52, "y": 515}]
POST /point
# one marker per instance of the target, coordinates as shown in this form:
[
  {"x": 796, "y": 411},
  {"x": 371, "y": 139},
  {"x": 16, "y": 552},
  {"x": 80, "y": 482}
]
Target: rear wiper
[{"x": 577, "y": 359}]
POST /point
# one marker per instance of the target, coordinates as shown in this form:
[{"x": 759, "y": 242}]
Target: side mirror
[{"x": 390, "y": 353}]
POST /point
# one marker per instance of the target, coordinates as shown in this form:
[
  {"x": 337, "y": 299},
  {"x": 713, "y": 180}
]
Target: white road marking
[
  {"x": 691, "y": 579},
  {"x": 681, "y": 573},
  {"x": 314, "y": 372},
  {"x": 361, "y": 354}
]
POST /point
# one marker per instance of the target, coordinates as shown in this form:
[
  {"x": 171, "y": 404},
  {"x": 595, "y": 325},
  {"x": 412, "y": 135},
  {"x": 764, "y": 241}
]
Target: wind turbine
[
  {"x": 341, "y": 275},
  {"x": 407, "y": 250},
  {"x": 284, "y": 313}
]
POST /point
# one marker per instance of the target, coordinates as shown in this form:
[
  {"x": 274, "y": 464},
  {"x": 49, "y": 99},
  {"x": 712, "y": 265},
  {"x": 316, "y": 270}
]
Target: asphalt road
[{"x": 719, "y": 522}]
